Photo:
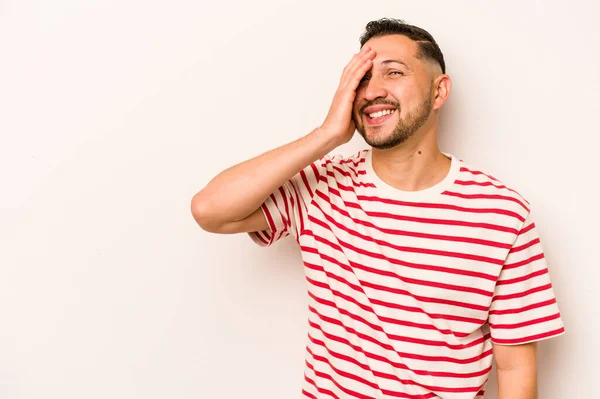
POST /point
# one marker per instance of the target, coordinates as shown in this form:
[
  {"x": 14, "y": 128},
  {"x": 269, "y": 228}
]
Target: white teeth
[{"x": 381, "y": 113}]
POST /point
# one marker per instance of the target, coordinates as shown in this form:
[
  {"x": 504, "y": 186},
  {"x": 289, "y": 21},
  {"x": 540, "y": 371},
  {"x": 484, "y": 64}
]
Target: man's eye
[
  {"x": 398, "y": 72},
  {"x": 363, "y": 80}
]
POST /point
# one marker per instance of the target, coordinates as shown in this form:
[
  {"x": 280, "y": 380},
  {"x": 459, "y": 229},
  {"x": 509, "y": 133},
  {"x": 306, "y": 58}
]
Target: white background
[{"x": 113, "y": 114}]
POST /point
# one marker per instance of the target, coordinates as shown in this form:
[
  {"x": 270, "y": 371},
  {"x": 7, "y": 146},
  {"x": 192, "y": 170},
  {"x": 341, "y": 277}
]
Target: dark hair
[{"x": 428, "y": 48}]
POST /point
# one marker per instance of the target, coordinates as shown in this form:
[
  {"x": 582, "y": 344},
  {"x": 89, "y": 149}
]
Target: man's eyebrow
[{"x": 392, "y": 61}]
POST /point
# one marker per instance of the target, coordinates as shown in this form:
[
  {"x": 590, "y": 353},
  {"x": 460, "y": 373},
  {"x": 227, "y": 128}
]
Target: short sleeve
[
  {"x": 286, "y": 209},
  {"x": 524, "y": 307}
]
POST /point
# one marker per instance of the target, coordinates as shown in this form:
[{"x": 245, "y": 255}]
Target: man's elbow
[{"x": 202, "y": 215}]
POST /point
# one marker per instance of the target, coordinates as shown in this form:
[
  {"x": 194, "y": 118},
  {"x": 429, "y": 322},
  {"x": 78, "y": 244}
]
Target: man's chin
[
  {"x": 383, "y": 145},
  {"x": 383, "y": 140},
  {"x": 377, "y": 136}
]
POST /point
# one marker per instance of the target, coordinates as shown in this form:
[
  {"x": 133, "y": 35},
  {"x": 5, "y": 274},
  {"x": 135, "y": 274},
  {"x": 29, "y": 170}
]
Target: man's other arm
[{"x": 516, "y": 367}]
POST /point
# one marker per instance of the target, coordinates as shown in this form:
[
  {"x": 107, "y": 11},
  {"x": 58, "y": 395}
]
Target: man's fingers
[
  {"x": 360, "y": 72},
  {"x": 357, "y": 59},
  {"x": 357, "y": 72},
  {"x": 356, "y": 63}
]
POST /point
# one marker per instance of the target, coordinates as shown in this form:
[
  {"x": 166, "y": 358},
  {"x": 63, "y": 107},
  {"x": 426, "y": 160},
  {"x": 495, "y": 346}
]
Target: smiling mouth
[{"x": 377, "y": 118}]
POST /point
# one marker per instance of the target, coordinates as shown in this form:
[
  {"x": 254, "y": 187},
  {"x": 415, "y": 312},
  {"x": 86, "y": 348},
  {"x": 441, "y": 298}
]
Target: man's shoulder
[
  {"x": 475, "y": 182},
  {"x": 355, "y": 158},
  {"x": 353, "y": 161}
]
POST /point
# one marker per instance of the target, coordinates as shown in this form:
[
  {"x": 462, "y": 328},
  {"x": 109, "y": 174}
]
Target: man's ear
[{"x": 442, "y": 85}]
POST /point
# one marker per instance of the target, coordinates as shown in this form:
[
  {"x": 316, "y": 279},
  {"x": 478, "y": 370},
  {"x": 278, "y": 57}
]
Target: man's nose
[{"x": 374, "y": 89}]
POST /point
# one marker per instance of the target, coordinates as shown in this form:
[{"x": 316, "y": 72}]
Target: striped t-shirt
[{"x": 408, "y": 290}]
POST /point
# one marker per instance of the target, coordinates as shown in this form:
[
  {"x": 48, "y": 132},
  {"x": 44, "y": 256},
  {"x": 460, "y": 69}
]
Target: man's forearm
[
  {"x": 518, "y": 383},
  {"x": 238, "y": 191}
]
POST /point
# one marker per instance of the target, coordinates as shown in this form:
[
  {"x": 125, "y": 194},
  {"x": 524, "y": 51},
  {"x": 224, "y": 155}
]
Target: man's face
[{"x": 395, "y": 97}]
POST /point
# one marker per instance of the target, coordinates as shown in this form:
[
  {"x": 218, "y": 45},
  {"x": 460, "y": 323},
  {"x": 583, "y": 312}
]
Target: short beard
[{"x": 404, "y": 129}]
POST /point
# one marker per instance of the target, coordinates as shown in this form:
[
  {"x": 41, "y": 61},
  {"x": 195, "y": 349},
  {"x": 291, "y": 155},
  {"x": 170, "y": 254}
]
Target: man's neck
[{"x": 415, "y": 165}]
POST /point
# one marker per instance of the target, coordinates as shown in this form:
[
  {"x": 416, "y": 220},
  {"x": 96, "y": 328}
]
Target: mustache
[{"x": 378, "y": 102}]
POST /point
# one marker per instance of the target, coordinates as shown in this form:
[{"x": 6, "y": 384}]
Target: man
[{"x": 419, "y": 266}]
